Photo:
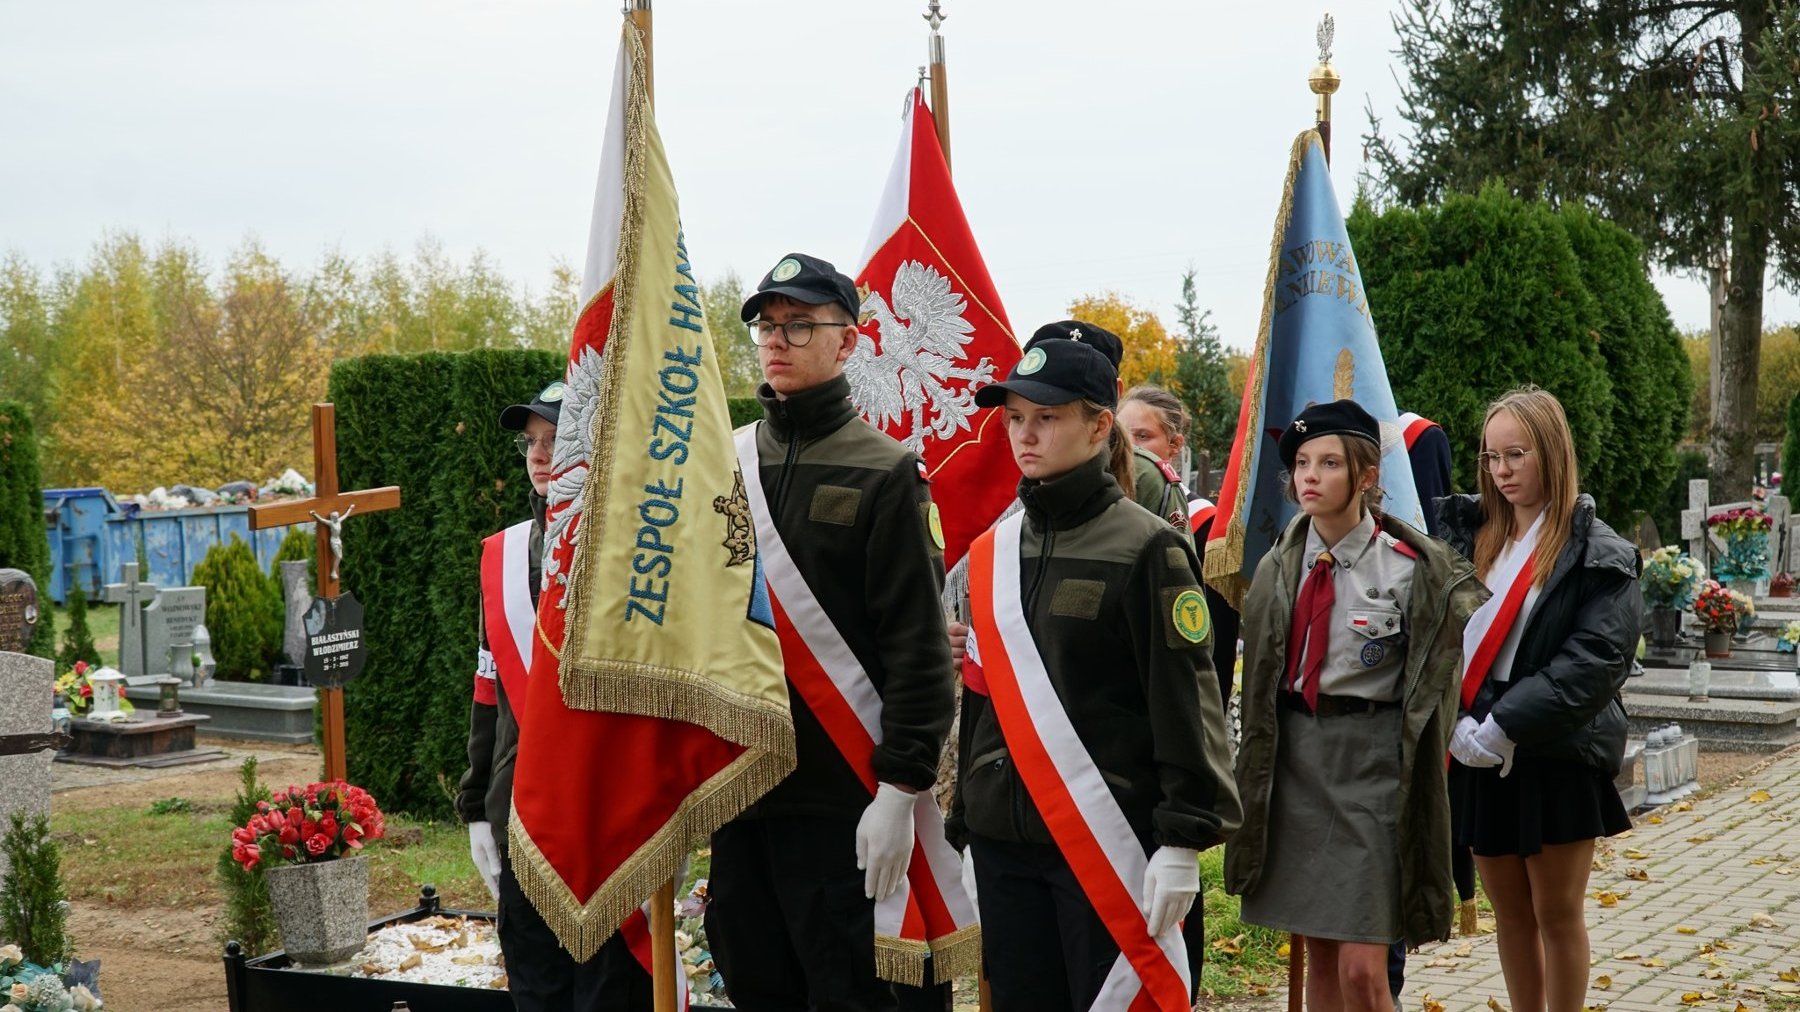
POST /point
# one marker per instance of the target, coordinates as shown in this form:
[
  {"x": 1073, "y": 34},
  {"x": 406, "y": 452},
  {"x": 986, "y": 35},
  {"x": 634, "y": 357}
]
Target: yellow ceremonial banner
[{"x": 656, "y": 704}]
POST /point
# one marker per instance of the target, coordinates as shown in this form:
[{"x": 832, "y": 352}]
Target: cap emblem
[
  {"x": 1032, "y": 362},
  {"x": 1075, "y": 334},
  {"x": 785, "y": 270},
  {"x": 552, "y": 393},
  {"x": 1299, "y": 425}
]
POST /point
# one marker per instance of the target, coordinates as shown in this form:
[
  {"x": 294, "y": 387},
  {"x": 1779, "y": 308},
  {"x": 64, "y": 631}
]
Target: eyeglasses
[
  {"x": 1490, "y": 461},
  {"x": 524, "y": 443},
  {"x": 799, "y": 333}
]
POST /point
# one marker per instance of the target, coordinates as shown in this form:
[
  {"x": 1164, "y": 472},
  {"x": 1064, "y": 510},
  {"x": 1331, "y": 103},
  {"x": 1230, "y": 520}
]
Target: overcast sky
[{"x": 1096, "y": 146}]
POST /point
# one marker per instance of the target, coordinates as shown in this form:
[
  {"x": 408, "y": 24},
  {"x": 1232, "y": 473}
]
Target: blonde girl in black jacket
[{"x": 1542, "y": 732}]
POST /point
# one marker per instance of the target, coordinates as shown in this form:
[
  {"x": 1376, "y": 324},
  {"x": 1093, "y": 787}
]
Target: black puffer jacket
[{"x": 1562, "y": 701}]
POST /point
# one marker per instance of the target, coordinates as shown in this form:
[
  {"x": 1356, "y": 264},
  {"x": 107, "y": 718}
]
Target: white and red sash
[
  {"x": 1084, "y": 818},
  {"x": 929, "y": 912},
  {"x": 1488, "y": 628},
  {"x": 1200, "y": 510},
  {"x": 507, "y": 613},
  {"x": 508, "y": 616},
  {"x": 1412, "y": 426}
]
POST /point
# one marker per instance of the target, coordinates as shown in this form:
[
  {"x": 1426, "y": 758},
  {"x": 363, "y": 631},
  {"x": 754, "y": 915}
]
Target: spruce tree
[
  {"x": 31, "y": 897},
  {"x": 78, "y": 639},
  {"x": 242, "y": 611}
]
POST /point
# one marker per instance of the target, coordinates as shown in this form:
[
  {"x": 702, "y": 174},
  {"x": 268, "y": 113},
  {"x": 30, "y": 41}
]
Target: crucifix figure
[
  {"x": 327, "y": 510},
  {"x": 336, "y": 523},
  {"x": 132, "y": 594}
]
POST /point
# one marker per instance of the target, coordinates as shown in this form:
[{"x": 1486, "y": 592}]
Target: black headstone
[
  {"x": 335, "y": 651},
  {"x": 18, "y": 609}
]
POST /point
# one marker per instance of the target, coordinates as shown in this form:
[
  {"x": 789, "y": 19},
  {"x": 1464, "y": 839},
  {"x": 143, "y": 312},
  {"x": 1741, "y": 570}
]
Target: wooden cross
[{"x": 325, "y": 510}]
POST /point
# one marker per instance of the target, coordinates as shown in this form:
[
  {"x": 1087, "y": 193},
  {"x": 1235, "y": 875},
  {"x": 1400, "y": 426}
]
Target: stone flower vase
[
  {"x": 1665, "y": 627},
  {"x": 1718, "y": 643},
  {"x": 322, "y": 908}
]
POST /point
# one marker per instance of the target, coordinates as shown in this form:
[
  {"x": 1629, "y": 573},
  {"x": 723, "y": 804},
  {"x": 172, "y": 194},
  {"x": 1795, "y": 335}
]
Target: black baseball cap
[
  {"x": 1334, "y": 418},
  {"x": 1056, "y": 372},
  {"x": 1086, "y": 333},
  {"x": 546, "y": 405},
  {"x": 804, "y": 279}
]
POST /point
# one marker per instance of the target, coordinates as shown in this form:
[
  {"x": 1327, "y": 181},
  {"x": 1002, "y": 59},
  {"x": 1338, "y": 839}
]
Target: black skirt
[{"x": 1542, "y": 802}]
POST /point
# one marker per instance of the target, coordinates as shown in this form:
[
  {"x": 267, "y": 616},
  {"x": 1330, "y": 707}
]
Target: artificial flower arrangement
[
  {"x": 76, "y": 687},
  {"x": 27, "y": 987},
  {"x": 1671, "y": 579},
  {"x": 1745, "y": 532},
  {"x": 1723, "y": 610},
  {"x": 1789, "y": 638},
  {"x": 302, "y": 825}
]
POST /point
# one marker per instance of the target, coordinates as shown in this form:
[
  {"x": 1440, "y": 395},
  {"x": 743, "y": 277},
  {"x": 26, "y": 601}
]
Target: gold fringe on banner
[
  {"x": 1224, "y": 570},
  {"x": 584, "y": 927},
  {"x": 957, "y": 954}
]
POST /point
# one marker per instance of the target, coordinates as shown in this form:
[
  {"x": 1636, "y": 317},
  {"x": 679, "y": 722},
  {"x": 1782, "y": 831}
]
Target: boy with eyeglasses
[
  {"x": 541, "y": 975},
  {"x": 853, "y": 553}
]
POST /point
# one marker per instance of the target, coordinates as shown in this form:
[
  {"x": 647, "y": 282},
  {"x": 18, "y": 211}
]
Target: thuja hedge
[
  {"x": 22, "y": 541},
  {"x": 1489, "y": 292},
  {"x": 429, "y": 424}
]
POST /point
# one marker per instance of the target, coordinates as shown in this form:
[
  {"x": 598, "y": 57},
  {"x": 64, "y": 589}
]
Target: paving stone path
[{"x": 1697, "y": 907}]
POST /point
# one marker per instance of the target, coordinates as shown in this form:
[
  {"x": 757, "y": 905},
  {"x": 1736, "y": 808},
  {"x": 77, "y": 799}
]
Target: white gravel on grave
[{"x": 451, "y": 951}]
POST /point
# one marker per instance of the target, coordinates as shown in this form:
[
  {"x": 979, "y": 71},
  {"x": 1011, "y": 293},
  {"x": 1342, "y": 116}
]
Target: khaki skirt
[{"x": 1332, "y": 867}]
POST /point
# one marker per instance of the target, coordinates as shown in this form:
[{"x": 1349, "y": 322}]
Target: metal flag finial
[
  {"x": 935, "y": 16},
  {"x": 1327, "y": 31},
  {"x": 924, "y": 74}
]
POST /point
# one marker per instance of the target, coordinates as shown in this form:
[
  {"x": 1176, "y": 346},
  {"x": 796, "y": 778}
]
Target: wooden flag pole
[
  {"x": 664, "y": 979},
  {"x": 940, "y": 83}
]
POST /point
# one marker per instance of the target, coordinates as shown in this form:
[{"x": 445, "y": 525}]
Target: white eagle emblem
[
  {"x": 569, "y": 463},
  {"x": 906, "y": 382}
]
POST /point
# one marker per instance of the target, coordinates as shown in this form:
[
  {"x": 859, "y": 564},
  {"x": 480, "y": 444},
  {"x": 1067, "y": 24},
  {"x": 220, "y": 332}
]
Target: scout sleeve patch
[
  {"x": 1190, "y": 623},
  {"x": 934, "y": 524}
]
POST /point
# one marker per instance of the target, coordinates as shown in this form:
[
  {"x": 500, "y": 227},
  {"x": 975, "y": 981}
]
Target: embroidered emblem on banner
[
  {"x": 1190, "y": 616},
  {"x": 740, "y": 533}
]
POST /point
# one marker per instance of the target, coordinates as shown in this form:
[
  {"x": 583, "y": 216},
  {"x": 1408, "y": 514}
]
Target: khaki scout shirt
[{"x": 1372, "y": 577}]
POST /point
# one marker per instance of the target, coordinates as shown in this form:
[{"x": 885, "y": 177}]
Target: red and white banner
[
  {"x": 1199, "y": 512},
  {"x": 1068, "y": 789},
  {"x": 1486, "y": 633},
  {"x": 933, "y": 332},
  {"x": 930, "y": 912}
]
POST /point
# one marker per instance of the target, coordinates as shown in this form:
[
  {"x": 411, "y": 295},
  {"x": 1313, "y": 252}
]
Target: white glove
[
  {"x": 486, "y": 855},
  {"x": 884, "y": 841},
  {"x": 1492, "y": 739},
  {"x": 1171, "y": 881},
  {"x": 968, "y": 875},
  {"x": 1465, "y": 748}
]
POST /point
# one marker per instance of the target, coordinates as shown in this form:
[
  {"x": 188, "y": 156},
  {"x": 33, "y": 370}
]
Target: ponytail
[{"x": 1119, "y": 462}]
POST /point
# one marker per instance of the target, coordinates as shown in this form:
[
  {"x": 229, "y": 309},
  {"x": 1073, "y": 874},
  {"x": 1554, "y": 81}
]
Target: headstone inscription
[
  {"x": 18, "y": 609},
  {"x": 169, "y": 625},
  {"x": 130, "y": 594},
  {"x": 26, "y": 687}
]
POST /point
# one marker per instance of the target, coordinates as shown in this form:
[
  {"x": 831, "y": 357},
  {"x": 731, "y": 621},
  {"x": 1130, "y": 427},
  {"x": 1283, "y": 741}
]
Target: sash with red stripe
[
  {"x": 1412, "y": 425},
  {"x": 929, "y": 912},
  {"x": 1084, "y": 818},
  {"x": 1199, "y": 512},
  {"x": 507, "y": 613},
  {"x": 508, "y": 616},
  {"x": 1490, "y": 625}
]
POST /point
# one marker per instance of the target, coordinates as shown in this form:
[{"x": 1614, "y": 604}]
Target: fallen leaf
[
  {"x": 1603, "y": 982},
  {"x": 471, "y": 959},
  {"x": 411, "y": 961},
  {"x": 1635, "y": 854},
  {"x": 1627, "y": 955},
  {"x": 1637, "y": 874},
  {"x": 1784, "y": 871},
  {"x": 1792, "y": 975},
  {"x": 1760, "y": 860},
  {"x": 1465, "y": 950},
  {"x": 1714, "y": 974},
  {"x": 1702, "y": 838},
  {"x": 1623, "y": 836},
  {"x": 1683, "y": 806},
  {"x": 1741, "y": 1007},
  {"x": 1432, "y": 1005},
  {"x": 1607, "y": 899},
  {"x": 1283, "y": 949},
  {"x": 1495, "y": 1006},
  {"x": 1655, "y": 820},
  {"x": 1763, "y": 921},
  {"x": 1445, "y": 962},
  {"x": 1652, "y": 962},
  {"x": 1760, "y": 797},
  {"x": 1690, "y": 998},
  {"x": 1685, "y": 930}
]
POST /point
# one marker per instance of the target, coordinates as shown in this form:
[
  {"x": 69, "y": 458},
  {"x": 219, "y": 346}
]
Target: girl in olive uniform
[
  {"x": 1352, "y": 635},
  {"x": 1094, "y": 761}
]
